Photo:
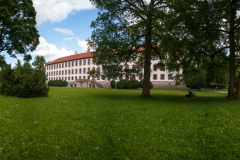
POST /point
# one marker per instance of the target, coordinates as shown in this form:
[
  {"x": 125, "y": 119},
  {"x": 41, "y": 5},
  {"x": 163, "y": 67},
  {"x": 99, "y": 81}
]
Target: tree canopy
[
  {"x": 125, "y": 31},
  {"x": 18, "y": 34}
]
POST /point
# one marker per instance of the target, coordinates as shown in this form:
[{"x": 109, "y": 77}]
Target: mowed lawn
[{"x": 74, "y": 123}]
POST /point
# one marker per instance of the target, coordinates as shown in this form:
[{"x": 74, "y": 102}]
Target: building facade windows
[
  {"x": 84, "y": 62},
  {"x": 169, "y": 76},
  {"x": 155, "y": 67},
  {"x": 155, "y": 77},
  {"x": 89, "y": 62},
  {"x": 84, "y": 70},
  {"x": 162, "y": 76}
]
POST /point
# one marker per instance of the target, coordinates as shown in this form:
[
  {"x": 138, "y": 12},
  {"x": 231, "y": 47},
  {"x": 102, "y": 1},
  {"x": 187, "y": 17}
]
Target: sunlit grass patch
[{"x": 74, "y": 123}]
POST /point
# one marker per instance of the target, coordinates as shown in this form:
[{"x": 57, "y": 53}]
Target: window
[
  {"x": 54, "y": 73},
  {"x": 88, "y": 69},
  {"x": 72, "y": 63},
  {"x": 59, "y": 72},
  {"x": 162, "y": 76},
  {"x": 75, "y": 78},
  {"x": 84, "y": 62},
  {"x": 88, "y": 61},
  {"x": 169, "y": 76},
  {"x": 155, "y": 67},
  {"x": 54, "y": 66},
  {"x": 57, "y": 66},
  {"x": 133, "y": 76},
  {"x": 98, "y": 69},
  {"x": 57, "y": 78},
  {"x": 62, "y": 65},
  {"x": 72, "y": 78},
  {"x": 62, "y": 72},
  {"x": 134, "y": 67},
  {"x": 155, "y": 77},
  {"x": 80, "y": 71},
  {"x": 65, "y": 72},
  {"x": 72, "y": 71},
  {"x": 76, "y": 63},
  {"x": 140, "y": 76},
  {"x": 76, "y": 71},
  {"x": 69, "y": 64},
  {"x": 69, "y": 78},
  {"x": 80, "y": 62},
  {"x": 84, "y": 77},
  {"x": 69, "y": 72},
  {"x": 80, "y": 77},
  {"x": 65, "y": 78},
  {"x": 65, "y": 64},
  {"x": 84, "y": 70}
]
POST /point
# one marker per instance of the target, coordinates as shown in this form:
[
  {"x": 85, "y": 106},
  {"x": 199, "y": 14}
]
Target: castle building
[{"x": 74, "y": 70}]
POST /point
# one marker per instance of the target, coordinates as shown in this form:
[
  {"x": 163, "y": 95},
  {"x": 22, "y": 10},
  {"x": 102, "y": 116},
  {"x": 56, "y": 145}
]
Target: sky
[{"x": 63, "y": 26}]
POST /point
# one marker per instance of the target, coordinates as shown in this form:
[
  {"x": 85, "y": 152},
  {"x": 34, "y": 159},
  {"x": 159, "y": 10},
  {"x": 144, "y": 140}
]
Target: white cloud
[
  {"x": 71, "y": 38},
  {"x": 83, "y": 45},
  {"x": 64, "y": 31},
  {"x": 50, "y": 51},
  {"x": 58, "y": 10}
]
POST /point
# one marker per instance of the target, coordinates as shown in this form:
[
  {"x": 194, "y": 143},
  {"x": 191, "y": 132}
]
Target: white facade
[{"x": 75, "y": 69}]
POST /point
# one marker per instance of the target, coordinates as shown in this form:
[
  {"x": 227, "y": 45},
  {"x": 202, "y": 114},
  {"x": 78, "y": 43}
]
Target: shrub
[
  {"x": 141, "y": 84},
  {"x": 23, "y": 81},
  {"x": 113, "y": 84},
  {"x": 57, "y": 83},
  {"x": 130, "y": 84}
]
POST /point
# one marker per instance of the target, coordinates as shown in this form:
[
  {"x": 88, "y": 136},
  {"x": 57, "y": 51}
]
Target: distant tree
[
  {"x": 205, "y": 28},
  {"x": 123, "y": 30},
  {"x": 39, "y": 63},
  {"x": 18, "y": 34}
]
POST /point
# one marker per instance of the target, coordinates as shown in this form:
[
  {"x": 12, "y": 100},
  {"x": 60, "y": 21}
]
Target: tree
[
  {"x": 205, "y": 28},
  {"x": 39, "y": 63},
  {"x": 123, "y": 30},
  {"x": 24, "y": 81},
  {"x": 18, "y": 34}
]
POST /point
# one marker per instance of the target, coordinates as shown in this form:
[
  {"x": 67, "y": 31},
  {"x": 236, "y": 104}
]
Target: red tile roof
[{"x": 72, "y": 57}]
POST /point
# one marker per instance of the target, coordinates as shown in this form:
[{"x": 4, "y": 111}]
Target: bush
[
  {"x": 113, "y": 84},
  {"x": 57, "y": 83},
  {"x": 131, "y": 84},
  {"x": 141, "y": 84},
  {"x": 23, "y": 81}
]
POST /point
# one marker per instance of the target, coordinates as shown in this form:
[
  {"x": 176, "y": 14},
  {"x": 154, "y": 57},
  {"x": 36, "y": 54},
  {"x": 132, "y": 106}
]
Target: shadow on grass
[{"x": 174, "y": 96}]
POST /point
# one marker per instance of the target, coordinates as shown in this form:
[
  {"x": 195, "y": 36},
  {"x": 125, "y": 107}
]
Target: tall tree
[
  {"x": 207, "y": 28},
  {"x": 18, "y": 33},
  {"x": 123, "y": 30}
]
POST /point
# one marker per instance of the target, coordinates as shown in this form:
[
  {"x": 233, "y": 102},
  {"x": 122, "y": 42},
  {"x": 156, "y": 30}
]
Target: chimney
[{"x": 75, "y": 52}]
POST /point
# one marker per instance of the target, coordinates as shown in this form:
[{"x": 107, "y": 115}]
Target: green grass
[{"x": 74, "y": 123}]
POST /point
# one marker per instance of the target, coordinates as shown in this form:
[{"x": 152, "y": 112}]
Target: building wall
[{"x": 74, "y": 70}]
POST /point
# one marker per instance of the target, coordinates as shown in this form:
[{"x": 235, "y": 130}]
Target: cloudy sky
[{"x": 63, "y": 26}]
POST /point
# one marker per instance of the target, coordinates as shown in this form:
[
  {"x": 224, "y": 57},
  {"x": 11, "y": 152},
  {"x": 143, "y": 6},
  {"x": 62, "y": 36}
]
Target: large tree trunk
[
  {"x": 231, "y": 94},
  {"x": 237, "y": 92},
  {"x": 147, "y": 63}
]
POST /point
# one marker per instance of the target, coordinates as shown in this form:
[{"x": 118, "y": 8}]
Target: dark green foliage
[
  {"x": 141, "y": 84},
  {"x": 57, "y": 83},
  {"x": 131, "y": 84},
  {"x": 17, "y": 27},
  {"x": 113, "y": 84},
  {"x": 23, "y": 81}
]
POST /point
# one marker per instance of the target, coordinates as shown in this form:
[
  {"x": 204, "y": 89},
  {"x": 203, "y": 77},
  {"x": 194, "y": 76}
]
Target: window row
[
  {"x": 70, "y": 64},
  {"x": 162, "y": 77},
  {"x": 73, "y": 71}
]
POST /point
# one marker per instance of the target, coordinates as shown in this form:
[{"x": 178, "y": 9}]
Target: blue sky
[{"x": 63, "y": 26}]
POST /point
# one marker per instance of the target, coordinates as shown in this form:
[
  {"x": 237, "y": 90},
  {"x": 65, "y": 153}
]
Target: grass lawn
[{"x": 74, "y": 123}]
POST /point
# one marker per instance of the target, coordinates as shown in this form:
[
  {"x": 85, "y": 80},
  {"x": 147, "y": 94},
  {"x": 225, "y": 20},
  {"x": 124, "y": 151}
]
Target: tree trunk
[
  {"x": 147, "y": 63},
  {"x": 231, "y": 94},
  {"x": 237, "y": 92},
  {"x": 199, "y": 87}
]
